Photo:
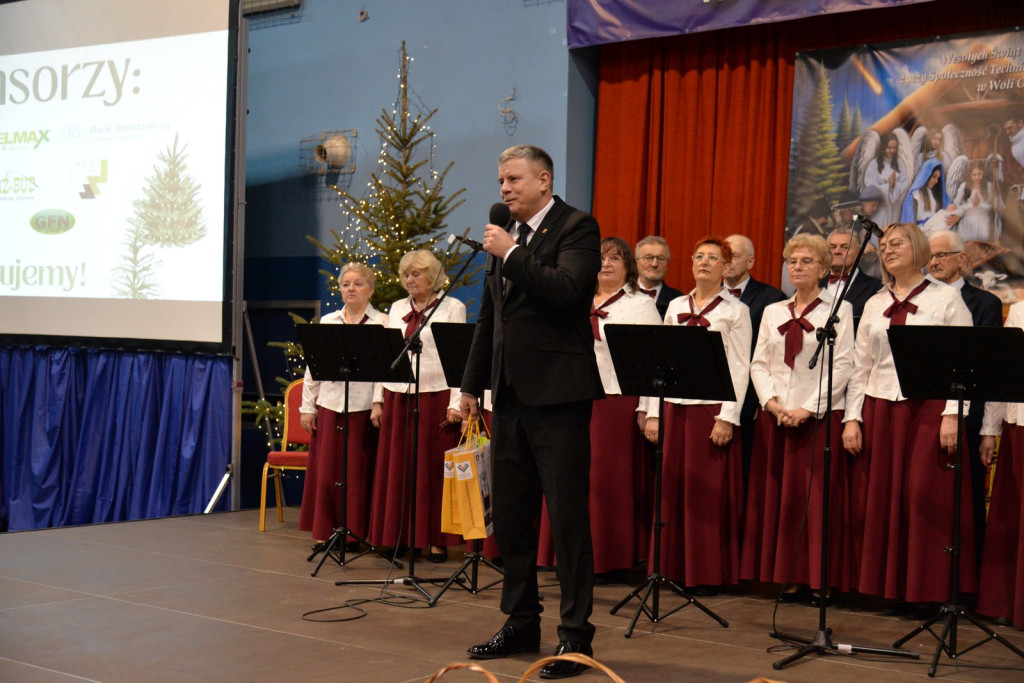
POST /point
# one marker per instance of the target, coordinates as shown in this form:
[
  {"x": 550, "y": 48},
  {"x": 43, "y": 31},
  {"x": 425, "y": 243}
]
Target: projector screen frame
[{"x": 229, "y": 230}]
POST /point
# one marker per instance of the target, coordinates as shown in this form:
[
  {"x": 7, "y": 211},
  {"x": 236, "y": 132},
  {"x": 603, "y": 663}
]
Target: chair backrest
[{"x": 293, "y": 431}]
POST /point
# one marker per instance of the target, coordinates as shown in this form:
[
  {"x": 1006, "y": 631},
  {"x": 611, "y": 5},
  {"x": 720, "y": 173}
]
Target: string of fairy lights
[{"x": 366, "y": 233}]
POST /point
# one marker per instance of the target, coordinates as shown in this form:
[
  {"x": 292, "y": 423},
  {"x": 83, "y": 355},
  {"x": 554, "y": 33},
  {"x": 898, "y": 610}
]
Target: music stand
[
  {"x": 348, "y": 353},
  {"x": 659, "y": 360},
  {"x": 453, "y": 341},
  {"x": 959, "y": 363}
]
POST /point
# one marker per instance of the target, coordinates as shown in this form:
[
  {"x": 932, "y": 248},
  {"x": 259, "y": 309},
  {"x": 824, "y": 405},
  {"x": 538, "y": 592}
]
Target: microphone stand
[
  {"x": 415, "y": 345},
  {"x": 821, "y": 642}
]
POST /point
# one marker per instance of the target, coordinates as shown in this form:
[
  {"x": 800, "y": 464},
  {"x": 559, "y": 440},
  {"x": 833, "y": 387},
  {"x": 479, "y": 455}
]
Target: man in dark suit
[
  {"x": 652, "y": 257},
  {"x": 534, "y": 345},
  {"x": 756, "y": 295},
  {"x": 844, "y": 244},
  {"x": 947, "y": 264}
]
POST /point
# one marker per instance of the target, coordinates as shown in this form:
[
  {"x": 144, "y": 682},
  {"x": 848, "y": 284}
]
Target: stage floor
[{"x": 212, "y": 598}]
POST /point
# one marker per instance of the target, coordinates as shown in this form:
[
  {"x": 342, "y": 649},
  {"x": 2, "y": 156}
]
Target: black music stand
[
  {"x": 453, "y": 341},
  {"x": 349, "y": 353},
  {"x": 659, "y": 360},
  {"x": 958, "y": 363}
]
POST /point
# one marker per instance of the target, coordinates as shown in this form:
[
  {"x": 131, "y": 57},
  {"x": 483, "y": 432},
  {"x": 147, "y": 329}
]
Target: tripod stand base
[
  {"x": 469, "y": 571},
  {"x": 334, "y": 548},
  {"x": 651, "y": 589},
  {"x": 950, "y": 614},
  {"x": 822, "y": 644}
]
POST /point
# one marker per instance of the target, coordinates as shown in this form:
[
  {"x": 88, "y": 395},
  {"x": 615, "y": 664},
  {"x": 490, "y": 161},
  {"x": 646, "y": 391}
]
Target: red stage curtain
[{"x": 693, "y": 132}]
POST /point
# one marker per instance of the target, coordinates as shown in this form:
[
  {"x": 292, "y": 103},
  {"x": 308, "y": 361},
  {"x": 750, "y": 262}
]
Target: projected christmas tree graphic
[{"x": 169, "y": 215}]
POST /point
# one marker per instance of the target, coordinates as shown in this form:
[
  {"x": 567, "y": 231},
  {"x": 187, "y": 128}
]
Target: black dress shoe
[
  {"x": 508, "y": 641},
  {"x": 897, "y": 609},
  {"x": 563, "y": 669},
  {"x": 438, "y": 555},
  {"x": 817, "y": 598},
  {"x": 799, "y": 595},
  {"x": 704, "y": 590},
  {"x": 1002, "y": 621}
]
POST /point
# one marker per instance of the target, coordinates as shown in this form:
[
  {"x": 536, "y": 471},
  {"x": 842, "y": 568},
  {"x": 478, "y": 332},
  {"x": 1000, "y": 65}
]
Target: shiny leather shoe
[
  {"x": 506, "y": 642},
  {"x": 563, "y": 669}
]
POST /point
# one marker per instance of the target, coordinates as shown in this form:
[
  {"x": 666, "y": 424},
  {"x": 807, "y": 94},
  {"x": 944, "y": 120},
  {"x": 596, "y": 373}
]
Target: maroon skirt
[
  {"x": 1001, "y": 587},
  {"x": 702, "y": 499},
  {"x": 786, "y": 467},
  {"x": 619, "y": 509},
  {"x": 389, "y": 517},
  {"x": 901, "y": 514},
  {"x": 321, "y": 495}
]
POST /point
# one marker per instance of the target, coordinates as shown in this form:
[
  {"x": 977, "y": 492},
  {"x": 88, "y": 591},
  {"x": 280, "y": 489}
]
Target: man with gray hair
[
  {"x": 844, "y": 244},
  {"x": 946, "y": 265},
  {"x": 652, "y": 255}
]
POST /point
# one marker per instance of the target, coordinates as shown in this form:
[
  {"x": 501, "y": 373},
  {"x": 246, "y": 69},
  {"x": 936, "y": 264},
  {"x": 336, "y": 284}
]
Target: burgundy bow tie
[
  {"x": 736, "y": 292},
  {"x": 832, "y": 279},
  {"x": 597, "y": 313},
  {"x": 653, "y": 293},
  {"x": 412, "y": 318},
  {"x": 694, "y": 318},
  {"x": 897, "y": 312},
  {"x": 794, "y": 330}
]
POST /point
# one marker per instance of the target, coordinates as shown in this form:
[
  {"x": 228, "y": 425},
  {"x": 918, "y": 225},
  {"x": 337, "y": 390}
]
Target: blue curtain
[{"x": 91, "y": 436}]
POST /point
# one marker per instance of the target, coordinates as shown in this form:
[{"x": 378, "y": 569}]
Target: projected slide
[{"x": 113, "y": 180}]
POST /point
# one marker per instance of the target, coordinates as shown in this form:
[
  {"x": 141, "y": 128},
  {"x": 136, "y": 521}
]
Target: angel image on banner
[
  {"x": 929, "y": 132},
  {"x": 884, "y": 162}
]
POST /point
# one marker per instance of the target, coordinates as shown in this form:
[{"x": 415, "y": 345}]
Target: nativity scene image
[{"x": 945, "y": 149}]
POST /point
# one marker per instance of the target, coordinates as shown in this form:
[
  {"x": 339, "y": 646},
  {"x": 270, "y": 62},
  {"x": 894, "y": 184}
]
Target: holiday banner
[{"x": 929, "y": 132}]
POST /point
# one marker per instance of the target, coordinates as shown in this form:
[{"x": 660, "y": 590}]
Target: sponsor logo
[
  {"x": 15, "y": 186},
  {"x": 52, "y": 221},
  {"x": 92, "y": 188},
  {"x": 24, "y": 137}
]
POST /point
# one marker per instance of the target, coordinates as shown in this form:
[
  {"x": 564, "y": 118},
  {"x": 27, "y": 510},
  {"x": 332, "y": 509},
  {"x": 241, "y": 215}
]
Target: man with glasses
[
  {"x": 652, "y": 257},
  {"x": 843, "y": 245},
  {"x": 756, "y": 295},
  {"x": 946, "y": 265}
]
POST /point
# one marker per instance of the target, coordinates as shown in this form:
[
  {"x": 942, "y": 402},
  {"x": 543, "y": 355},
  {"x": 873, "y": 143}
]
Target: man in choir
[
  {"x": 652, "y": 257},
  {"x": 534, "y": 345},
  {"x": 946, "y": 265},
  {"x": 756, "y": 295},
  {"x": 844, "y": 244}
]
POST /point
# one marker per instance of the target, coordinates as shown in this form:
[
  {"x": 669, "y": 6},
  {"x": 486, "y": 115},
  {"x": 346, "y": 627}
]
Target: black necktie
[{"x": 524, "y": 234}]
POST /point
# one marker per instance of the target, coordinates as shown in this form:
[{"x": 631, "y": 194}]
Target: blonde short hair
[
  {"x": 359, "y": 269},
  {"x": 815, "y": 243},
  {"x": 424, "y": 260},
  {"x": 918, "y": 244}
]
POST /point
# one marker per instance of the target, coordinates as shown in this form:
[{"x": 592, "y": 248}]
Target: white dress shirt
[
  {"x": 331, "y": 395},
  {"x": 634, "y": 308},
  {"x": 874, "y": 373},
  {"x": 431, "y": 373},
  {"x": 800, "y": 386},
  {"x": 732, "y": 318}
]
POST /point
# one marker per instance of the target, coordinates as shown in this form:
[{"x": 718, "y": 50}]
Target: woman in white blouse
[
  {"x": 322, "y": 413},
  {"x": 788, "y": 454},
  {"x": 1001, "y": 584},
  {"x": 439, "y": 422},
  {"x": 619, "y": 508},
  {"x": 702, "y": 488},
  {"x": 901, "y": 490}
]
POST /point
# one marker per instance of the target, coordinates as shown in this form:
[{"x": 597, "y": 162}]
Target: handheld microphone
[
  {"x": 869, "y": 225},
  {"x": 498, "y": 215}
]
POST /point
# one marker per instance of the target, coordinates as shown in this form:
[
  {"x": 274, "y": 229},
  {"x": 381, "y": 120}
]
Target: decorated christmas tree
[{"x": 404, "y": 206}]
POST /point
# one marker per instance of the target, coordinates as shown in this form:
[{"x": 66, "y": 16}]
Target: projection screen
[{"x": 117, "y": 122}]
